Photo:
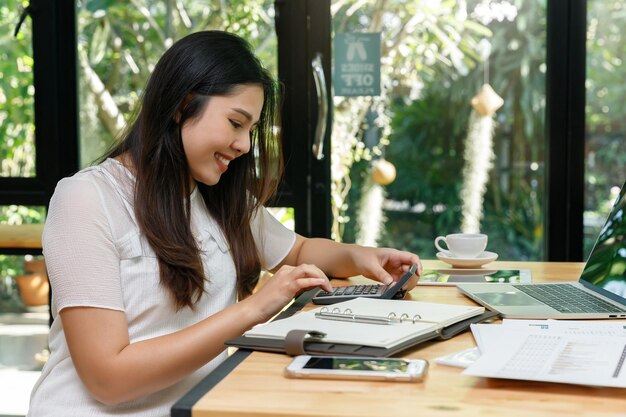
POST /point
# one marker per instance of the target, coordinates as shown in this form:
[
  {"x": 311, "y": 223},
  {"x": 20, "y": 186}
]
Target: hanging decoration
[
  {"x": 371, "y": 216},
  {"x": 479, "y": 154},
  {"x": 383, "y": 172}
]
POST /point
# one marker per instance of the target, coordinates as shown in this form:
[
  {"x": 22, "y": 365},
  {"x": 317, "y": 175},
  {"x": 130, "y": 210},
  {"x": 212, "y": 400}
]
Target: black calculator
[{"x": 393, "y": 290}]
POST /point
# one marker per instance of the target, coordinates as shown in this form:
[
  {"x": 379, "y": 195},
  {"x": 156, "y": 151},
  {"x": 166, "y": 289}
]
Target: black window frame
[
  {"x": 565, "y": 129},
  {"x": 56, "y": 106}
]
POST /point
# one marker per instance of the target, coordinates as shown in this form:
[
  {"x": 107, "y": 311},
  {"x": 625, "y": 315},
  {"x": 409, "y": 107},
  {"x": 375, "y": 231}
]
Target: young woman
[{"x": 153, "y": 253}]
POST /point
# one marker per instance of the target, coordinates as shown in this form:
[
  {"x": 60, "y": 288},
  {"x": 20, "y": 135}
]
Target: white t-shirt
[{"x": 97, "y": 257}]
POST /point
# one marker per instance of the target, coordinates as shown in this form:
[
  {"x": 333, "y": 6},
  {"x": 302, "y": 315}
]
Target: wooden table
[{"x": 257, "y": 387}]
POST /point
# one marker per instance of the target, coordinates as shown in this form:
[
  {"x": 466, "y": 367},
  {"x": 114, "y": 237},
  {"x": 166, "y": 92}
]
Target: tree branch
[
  {"x": 153, "y": 24},
  {"x": 108, "y": 112}
]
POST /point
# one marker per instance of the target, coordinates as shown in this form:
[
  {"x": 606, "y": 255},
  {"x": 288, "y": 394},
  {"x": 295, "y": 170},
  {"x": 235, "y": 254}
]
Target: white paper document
[
  {"x": 572, "y": 352},
  {"x": 461, "y": 359},
  {"x": 585, "y": 328}
]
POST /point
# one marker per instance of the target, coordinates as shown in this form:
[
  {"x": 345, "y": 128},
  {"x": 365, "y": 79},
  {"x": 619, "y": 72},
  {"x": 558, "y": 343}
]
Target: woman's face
[{"x": 222, "y": 132}]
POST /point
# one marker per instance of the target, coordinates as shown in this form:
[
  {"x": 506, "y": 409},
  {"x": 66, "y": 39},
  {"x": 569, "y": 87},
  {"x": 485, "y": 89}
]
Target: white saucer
[{"x": 480, "y": 260}]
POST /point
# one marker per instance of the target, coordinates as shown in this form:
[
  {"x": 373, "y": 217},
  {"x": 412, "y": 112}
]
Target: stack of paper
[{"x": 571, "y": 352}]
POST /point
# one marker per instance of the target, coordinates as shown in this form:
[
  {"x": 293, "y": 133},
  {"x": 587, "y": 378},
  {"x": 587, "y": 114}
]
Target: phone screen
[
  {"x": 443, "y": 276},
  {"x": 358, "y": 364}
]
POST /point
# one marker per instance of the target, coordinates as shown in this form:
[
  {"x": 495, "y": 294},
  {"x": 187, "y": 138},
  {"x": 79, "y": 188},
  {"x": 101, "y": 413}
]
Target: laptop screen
[{"x": 606, "y": 266}]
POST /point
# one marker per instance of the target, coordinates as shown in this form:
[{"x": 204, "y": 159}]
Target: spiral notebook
[{"x": 372, "y": 327}]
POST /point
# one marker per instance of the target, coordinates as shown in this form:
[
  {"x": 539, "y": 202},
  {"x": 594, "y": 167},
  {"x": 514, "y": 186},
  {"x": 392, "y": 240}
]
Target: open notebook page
[{"x": 429, "y": 317}]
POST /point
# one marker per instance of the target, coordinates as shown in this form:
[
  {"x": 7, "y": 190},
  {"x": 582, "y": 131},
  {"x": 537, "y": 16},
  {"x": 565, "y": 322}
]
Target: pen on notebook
[
  {"x": 357, "y": 318},
  {"x": 362, "y": 318}
]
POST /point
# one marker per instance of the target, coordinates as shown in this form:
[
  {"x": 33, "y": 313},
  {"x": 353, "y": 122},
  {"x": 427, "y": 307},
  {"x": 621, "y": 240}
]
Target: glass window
[
  {"x": 605, "y": 136},
  {"x": 15, "y": 215},
  {"x": 23, "y": 279},
  {"x": 118, "y": 46},
  {"x": 437, "y": 152},
  {"x": 17, "y": 94},
  {"x": 20, "y": 225}
]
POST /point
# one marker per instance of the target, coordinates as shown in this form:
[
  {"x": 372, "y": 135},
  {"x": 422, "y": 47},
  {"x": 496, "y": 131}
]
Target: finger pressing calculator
[{"x": 393, "y": 290}]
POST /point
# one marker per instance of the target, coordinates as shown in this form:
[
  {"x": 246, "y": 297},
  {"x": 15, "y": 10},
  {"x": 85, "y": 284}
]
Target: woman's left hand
[{"x": 387, "y": 265}]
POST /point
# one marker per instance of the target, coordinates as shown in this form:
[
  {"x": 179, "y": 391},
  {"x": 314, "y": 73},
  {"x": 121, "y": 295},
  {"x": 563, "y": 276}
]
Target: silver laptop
[{"x": 600, "y": 293}]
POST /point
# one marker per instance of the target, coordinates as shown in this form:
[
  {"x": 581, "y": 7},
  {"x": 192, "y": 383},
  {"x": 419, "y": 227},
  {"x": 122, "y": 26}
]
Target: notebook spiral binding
[{"x": 347, "y": 315}]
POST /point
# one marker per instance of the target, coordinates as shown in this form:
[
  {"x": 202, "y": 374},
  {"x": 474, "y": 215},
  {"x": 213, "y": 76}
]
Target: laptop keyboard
[{"x": 567, "y": 298}]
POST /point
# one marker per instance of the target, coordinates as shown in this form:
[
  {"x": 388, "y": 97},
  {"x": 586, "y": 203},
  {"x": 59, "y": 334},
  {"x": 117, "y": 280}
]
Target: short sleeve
[
  {"x": 274, "y": 241},
  {"x": 78, "y": 247}
]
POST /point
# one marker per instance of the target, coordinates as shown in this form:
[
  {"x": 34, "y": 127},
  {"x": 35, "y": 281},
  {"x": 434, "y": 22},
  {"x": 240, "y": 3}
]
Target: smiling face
[{"x": 222, "y": 132}]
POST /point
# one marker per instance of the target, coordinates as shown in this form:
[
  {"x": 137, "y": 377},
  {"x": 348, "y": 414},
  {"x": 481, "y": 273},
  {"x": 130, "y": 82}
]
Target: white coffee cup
[{"x": 463, "y": 245}]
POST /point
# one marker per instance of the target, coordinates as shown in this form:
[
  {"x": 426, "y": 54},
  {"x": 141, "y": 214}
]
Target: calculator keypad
[{"x": 356, "y": 290}]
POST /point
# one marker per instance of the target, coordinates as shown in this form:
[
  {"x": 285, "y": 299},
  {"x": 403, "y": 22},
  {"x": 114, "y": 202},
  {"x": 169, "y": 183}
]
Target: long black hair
[{"x": 198, "y": 66}]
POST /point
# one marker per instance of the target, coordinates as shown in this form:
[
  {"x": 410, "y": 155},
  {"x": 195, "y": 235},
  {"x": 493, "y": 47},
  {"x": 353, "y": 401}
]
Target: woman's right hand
[{"x": 287, "y": 282}]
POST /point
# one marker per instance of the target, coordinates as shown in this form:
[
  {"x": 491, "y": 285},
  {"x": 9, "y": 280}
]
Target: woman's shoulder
[
  {"x": 101, "y": 194},
  {"x": 103, "y": 188},
  {"x": 108, "y": 177}
]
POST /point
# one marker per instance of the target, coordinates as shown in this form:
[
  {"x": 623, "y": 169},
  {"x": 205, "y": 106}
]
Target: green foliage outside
[
  {"x": 428, "y": 134},
  {"x": 17, "y": 94},
  {"x": 119, "y": 44},
  {"x": 605, "y": 124},
  {"x": 424, "y": 44},
  {"x": 427, "y": 142},
  {"x": 17, "y": 135}
]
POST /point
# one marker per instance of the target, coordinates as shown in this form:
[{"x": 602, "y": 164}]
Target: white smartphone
[{"x": 346, "y": 367}]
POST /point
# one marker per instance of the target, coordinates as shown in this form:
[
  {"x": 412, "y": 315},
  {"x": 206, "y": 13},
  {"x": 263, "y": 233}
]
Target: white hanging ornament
[{"x": 478, "y": 156}]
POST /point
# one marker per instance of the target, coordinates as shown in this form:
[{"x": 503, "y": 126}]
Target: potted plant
[{"x": 33, "y": 285}]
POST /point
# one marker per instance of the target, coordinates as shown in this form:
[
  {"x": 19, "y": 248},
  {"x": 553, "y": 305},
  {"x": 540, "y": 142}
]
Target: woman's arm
[
  {"x": 84, "y": 268},
  {"x": 115, "y": 370},
  {"x": 342, "y": 260}
]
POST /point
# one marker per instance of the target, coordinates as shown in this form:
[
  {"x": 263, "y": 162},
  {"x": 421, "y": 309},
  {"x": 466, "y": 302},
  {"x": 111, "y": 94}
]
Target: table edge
[{"x": 184, "y": 406}]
